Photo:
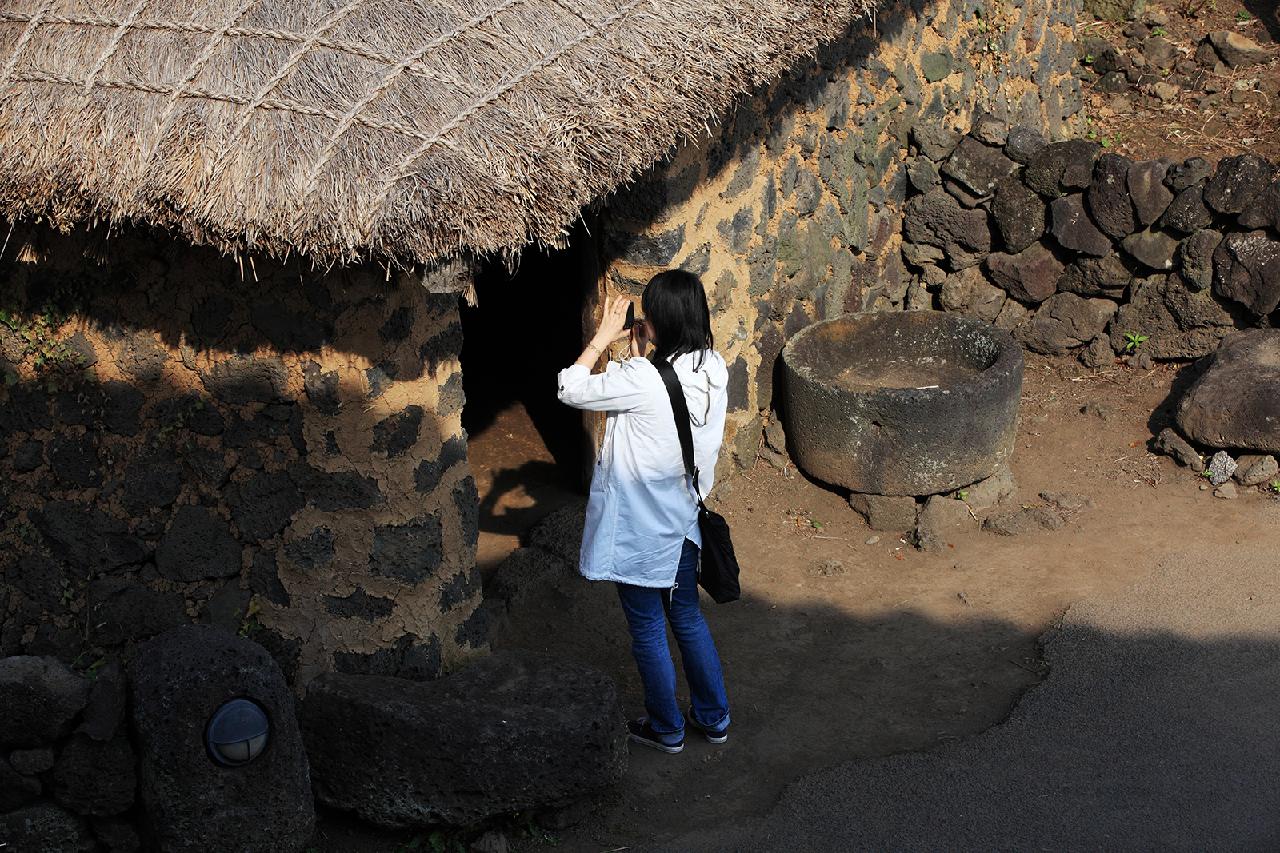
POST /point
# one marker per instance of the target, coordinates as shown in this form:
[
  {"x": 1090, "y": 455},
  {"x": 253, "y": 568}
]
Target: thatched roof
[{"x": 367, "y": 129}]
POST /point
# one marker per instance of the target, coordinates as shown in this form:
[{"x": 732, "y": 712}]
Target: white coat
[{"x": 642, "y": 506}]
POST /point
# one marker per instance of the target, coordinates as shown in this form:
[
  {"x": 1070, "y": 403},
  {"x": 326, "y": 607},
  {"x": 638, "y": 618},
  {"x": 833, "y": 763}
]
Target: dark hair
[{"x": 675, "y": 304}]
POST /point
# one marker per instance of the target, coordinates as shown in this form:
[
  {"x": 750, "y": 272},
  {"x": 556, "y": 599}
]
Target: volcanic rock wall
[
  {"x": 794, "y": 211},
  {"x": 253, "y": 445}
]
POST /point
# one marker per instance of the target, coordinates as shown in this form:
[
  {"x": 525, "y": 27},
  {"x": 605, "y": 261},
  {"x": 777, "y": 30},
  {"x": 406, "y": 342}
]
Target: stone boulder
[
  {"x": 1147, "y": 190},
  {"x": 95, "y": 778},
  {"x": 937, "y": 219},
  {"x": 969, "y": 292},
  {"x": 1030, "y": 276},
  {"x": 40, "y": 698},
  {"x": 1246, "y": 269},
  {"x": 1236, "y": 401},
  {"x": 1264, "y": 210},
  {"x": 508, "y": 733},
  {"x": 977, "y": 167},
  {"x": 45, "y": 828},
  {"x": 178, "y": 680},
  {"x": 1018, "y": 213},
  {"x": 1153, "y": 249},
  {"x": 1237, "y": 51},
  {"x": 1108, "y": 197},
  {"x": 1109, "y": 276},
  {"x": 1237, "y": 182},
  {"x": 1074, "y": 230},
  {"x": 1196, "y": 255},
  {"x": 1061, "y": 167},
  {"x": 1178, "y": 322},
  {"x": 896, "y": 513},
  {"x": 1066, "y": 321},
  {"x": 1187, "y": 212}
]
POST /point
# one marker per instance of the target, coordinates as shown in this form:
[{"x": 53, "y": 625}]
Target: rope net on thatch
[{"x": 396, "y": 130}]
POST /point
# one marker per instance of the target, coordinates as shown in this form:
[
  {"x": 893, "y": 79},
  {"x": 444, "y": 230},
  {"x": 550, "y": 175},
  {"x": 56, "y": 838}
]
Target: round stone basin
[{"x": 904, "y": 403}]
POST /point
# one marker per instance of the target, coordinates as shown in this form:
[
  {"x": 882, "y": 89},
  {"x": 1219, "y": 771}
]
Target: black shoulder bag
[{"x": 719, "y": 572}]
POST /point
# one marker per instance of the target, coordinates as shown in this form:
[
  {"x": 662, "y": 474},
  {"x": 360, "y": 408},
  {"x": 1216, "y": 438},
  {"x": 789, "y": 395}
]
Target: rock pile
[{"x": 1075, "y": 249}]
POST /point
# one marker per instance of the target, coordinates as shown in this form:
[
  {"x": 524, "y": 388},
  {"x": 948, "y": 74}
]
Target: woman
[{"x": 642, "y": 520}]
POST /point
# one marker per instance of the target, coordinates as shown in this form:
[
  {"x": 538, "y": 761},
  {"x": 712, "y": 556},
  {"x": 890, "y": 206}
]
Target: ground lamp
[{"x": 237, "y": 732}]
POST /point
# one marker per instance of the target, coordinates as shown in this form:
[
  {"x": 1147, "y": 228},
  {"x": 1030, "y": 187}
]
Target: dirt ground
[
  {"x": 848, "y": 645},
  {"x": 1208, "y": 113}
]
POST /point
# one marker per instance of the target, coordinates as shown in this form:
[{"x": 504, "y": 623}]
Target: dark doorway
[{"x": 525, "y": 447}]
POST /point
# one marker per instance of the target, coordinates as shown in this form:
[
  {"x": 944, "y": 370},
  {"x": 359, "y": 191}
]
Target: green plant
[
  {"x": 1274, "y": 485},
  {"x": 1133, "y": 340},
  {"x": 1159, "y": 31},
  {"x": 963, "y": 494},
  {"x": 49, "y": 354},
  {"x": 1243, "y": 17}
]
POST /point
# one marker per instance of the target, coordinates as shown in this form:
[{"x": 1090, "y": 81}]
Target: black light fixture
[{"x": 237, "y": 732}]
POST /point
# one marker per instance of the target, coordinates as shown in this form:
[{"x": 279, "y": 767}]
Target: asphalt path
[{"x": 1158, "y": 728}]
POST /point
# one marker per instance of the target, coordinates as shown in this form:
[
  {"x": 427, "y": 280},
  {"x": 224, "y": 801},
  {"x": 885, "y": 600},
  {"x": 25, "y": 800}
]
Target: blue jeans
[{"x": 648, "y": 610}]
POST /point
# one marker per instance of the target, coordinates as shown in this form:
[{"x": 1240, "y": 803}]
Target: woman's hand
[
  {"x": 609, "y": 330},
  {"x": 640, "y": 338},
  {"x": 612, "y": 321}
]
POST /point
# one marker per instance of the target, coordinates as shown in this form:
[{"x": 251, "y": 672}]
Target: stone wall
[
  {"x": 256, "y": 445},
  {"x": 793, "y": 212}
]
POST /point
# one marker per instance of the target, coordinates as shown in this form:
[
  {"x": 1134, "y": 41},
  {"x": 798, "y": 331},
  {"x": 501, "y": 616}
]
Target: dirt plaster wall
[{"x": 256, "y": 445}]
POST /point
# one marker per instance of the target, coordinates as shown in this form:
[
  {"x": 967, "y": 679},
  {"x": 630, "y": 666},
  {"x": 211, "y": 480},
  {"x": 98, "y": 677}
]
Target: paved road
[{"x": 1157, "y": 728}]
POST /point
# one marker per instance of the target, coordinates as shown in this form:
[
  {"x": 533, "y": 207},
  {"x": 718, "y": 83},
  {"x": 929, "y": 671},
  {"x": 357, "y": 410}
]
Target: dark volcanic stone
[
  {"x": 1188, "y": 173},
  {"x": 977, "y": 167},
  {"x": 1073, "y": 229},
  {"x": 1246, "y": 268},
  {"x": 1147, "y": 190},
  {"x": 335, "y": 490},
  {"x": 1187, "y": 212},
  {"x": 934, "y": 141},
  {"x": 313, "y": 551},
  {"x": 408, "y": 552},
  {"x": 86, "y": 537},
  {"x": 198, "y": 545},
  {"x": 121, "y": 610},
  {"x": 105, "y": 710},
  {"x": 359, "y": 605},
  {"x": 29, "y": 456},
  {"x": 40, "y": 698},
  {"x": 1066, "y": 321},
  {"x": 263, "y": 505},
  {"x": 95, "y": 778},
  {"x": 477, "y": 743},
  {"x": 458, "y": 589},
  {"x": 1023, "y": 143},
  {"x": 1154, "y": 249},
  {"x": 1196, "y": 255},
  {"x": 1235, "y": 403},
  {"x": 1031, "y": 276},
  {"x": 1264, "y": 210},
  {"x": 39, "y": 578},
  {"x": 429, "y": 471},
  {"x": 1107, "y": 198},
  {"x": 1019, "y": 214},
  {"x": 1237, "y": 182},
  {"x": 47, "y": 829},
  {"x": 117, "y": 835},
  {"x": 656, "y": 250},
  {"x": 74, "y": 460},
  {"x": 1179, "y": 323},
  {"x": 738, "y": 385},
  {"x": 246, "y": 379},
  {"x": 153, "y": 479},
  {"x": 937, "y": 219},
  {"x": 264, "y": 579},
  {"x": 192, "y": 804},
  {"x": 321, "y": 388},
  {"x": 16, "y": 790},
  {"x": 466, "y": 500},
  {"x": 1061, "y": 167},
  {"x": 1086, "y": 276},
  {"x": 397, "y": 433}
]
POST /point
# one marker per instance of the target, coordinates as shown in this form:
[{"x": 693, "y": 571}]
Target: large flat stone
[
  {"x": 1236, "y": 401},
  {"x": 509, "y": 733}
]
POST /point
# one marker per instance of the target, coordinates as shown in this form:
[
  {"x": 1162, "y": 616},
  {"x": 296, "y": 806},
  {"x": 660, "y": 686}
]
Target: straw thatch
[{"x": 399, "y": 130}]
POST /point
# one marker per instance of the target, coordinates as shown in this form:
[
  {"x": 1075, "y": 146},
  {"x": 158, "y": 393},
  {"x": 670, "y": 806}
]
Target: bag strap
[{"x": 680, "y": 409}]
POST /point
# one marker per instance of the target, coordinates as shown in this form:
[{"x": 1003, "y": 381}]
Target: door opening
[{"x": 526, "y": 448}]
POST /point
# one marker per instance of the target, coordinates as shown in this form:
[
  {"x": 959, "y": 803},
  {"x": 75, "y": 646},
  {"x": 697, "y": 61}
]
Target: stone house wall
[
  {"x": 185, "y": 437},
  {"x": 793, "y": 212}
]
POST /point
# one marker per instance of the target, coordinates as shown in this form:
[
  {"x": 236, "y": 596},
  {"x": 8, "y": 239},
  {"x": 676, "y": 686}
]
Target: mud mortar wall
[
  {"x": 254, "y": 445},
  {"x": 793, "y": 211}
]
